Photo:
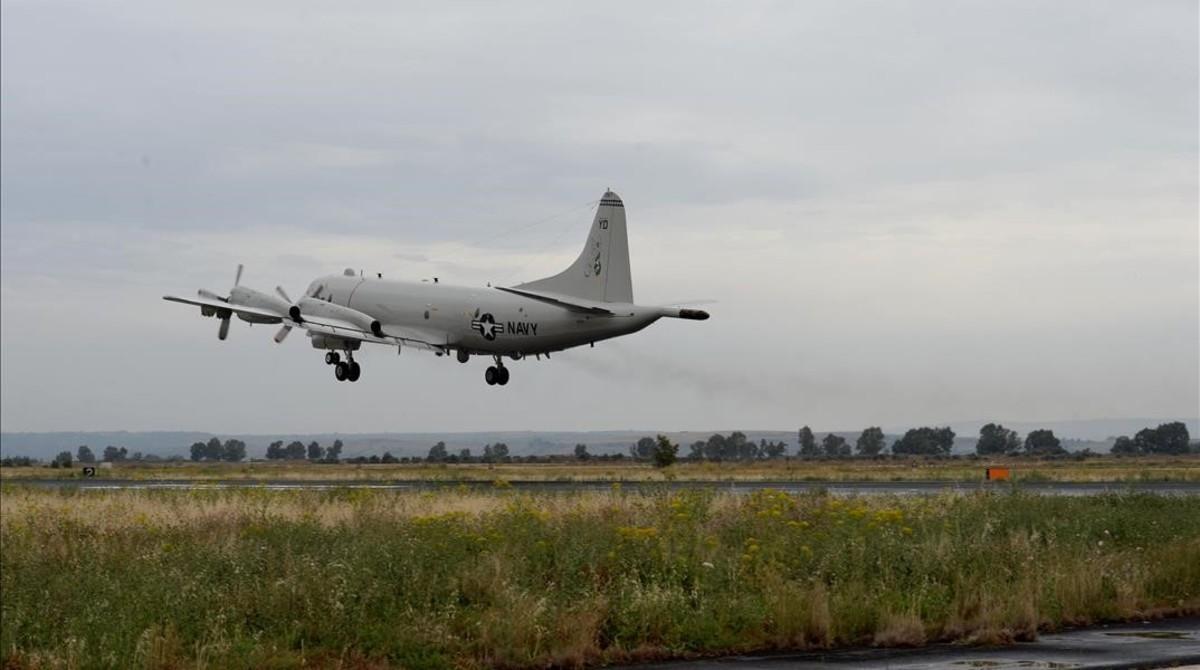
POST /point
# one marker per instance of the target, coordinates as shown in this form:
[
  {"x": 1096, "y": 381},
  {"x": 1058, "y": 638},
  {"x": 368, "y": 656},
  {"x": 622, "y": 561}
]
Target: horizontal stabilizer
[{"x": 567, "y": 302}]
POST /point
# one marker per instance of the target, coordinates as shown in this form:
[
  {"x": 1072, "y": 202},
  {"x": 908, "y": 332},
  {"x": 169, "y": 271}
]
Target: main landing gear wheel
[
  {"x": 332, "y": 357},
  {"x": 496, "y": 375},
  {"x": 347, "y": 371}
]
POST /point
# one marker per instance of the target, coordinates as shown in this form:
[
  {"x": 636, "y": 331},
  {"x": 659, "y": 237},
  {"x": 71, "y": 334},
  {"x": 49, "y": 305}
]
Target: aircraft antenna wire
[
  {"x": 506, "y": 231},
  {"x": 545, "y": 250}
]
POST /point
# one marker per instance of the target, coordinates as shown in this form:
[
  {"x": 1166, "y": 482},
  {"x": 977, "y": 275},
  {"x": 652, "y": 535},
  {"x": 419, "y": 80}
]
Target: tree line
[
  {"x": 296, "y": 451},
  {"x": 492, "y": 453},
  {"x": 230, "y": 451},
  {"x": 994, "y": 440},
  {"x": 110, "y": 454},
  {"x": 1168, "y": 438}
]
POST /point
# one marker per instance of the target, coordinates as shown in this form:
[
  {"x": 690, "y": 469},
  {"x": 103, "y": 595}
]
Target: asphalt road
[
  {"x": 1159, "y": 644},
  {"x": 834, "y": 487}
]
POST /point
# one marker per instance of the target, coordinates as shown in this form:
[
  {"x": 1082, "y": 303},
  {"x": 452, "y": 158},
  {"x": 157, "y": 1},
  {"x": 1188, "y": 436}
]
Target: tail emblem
[
  {"x": 594, "y": 267},
  {"x": 487, "y": 326},
  {"x": 596, "y": 261}
]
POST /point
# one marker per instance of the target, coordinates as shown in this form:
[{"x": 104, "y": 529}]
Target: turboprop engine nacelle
[
  {"x": 248, "y": 297},
  {"x": 319, "y": 308}
]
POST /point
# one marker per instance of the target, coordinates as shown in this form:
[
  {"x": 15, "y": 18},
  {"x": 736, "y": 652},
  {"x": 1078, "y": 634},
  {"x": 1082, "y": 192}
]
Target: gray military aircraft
[{"x": 591, "y": 300}]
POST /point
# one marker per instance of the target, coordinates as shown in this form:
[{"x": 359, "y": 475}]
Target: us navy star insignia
[{"x": 487, "y": 326}]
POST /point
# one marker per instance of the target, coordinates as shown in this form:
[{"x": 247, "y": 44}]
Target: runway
[
  {"x": 846, "y": 488},
  {"x": 1157, "y": 644}
]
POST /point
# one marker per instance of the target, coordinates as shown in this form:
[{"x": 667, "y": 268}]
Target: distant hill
[{"x": 1077, "y": 434}]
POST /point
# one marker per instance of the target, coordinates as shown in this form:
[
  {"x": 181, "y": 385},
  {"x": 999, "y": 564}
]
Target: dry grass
[
  {"x": 1097, "y": 469},
  {"x": 901, "y": 630},
  {"x": 186, "y": 509},
  {"x": 462, "y": 578}
]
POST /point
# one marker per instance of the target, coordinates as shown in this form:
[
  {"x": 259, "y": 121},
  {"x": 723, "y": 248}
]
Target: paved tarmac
[
  {"x": 1172, "y": 643},
  {"x": 532, "y": 486}
]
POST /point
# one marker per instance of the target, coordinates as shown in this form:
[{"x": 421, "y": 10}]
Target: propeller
[
  {"x": 223, "y": 316},
  {"x": 252, "y": 300},
  {"x": 283, "y": 332}
]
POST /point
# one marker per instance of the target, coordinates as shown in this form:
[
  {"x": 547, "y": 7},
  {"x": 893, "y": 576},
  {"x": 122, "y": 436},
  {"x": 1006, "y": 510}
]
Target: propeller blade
[
  {"x": 223, "y": 331},
  {"x": 237, "y": 279},
  {"x": 205, "y": 293},
  {"x": 283, "y": 294},
  {"x": 282, "y": 334}
]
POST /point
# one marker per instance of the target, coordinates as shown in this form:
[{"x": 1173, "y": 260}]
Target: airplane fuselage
[{"x": 480, "y": 320}]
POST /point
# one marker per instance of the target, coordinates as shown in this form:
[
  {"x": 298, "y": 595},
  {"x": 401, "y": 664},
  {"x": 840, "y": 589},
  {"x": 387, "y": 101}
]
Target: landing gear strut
[
  {"x": 496, "y": 374},
  {"x": 344, "y": 371}
]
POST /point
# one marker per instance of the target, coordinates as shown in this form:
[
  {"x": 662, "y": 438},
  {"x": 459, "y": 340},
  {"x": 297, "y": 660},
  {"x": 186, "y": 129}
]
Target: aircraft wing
[
  {"x": 392, "y": 335},
  {"x": 255, "y": 312}
]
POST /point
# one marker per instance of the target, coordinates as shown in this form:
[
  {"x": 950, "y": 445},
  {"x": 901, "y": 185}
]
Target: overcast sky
[{"x": 907, "y": 212}]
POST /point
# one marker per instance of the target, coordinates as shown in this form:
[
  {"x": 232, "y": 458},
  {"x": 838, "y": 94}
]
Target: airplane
[{"x": 590, "y": 301}]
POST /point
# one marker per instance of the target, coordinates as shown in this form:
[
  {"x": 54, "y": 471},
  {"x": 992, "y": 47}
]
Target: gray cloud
[{"x": 908, "y": 211}]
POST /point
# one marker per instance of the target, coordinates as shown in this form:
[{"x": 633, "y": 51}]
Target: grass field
[
  {"x": 458, "y": 578},
  {"x": 1158, "y": 468}
]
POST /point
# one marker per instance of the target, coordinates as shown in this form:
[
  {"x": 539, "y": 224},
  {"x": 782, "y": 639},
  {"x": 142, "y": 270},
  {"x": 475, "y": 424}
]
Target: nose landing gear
[
  {"x": 343, "y": 371},
  {"x": 496, "y": 375}
]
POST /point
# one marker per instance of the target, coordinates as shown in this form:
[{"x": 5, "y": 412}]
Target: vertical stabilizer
[{"x": 601, "y": 273}]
